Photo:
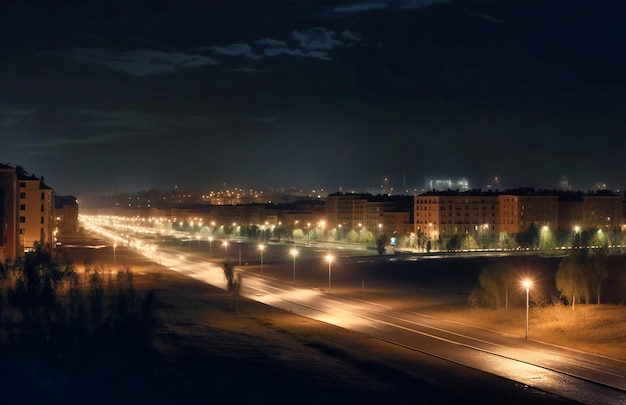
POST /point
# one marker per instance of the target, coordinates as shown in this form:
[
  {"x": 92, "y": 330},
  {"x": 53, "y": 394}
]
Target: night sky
[{"x": 112, "y": 96}]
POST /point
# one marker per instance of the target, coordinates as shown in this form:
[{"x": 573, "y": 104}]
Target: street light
[
  {"x": 225, "y": 244},
  {"x": 308, "y": 234},
  {"x": 114, "y": 257},
  {"x": 329, "y": 259},
  {"x": 261, "y": 248},
  {"x": 527, "y": 283},
  {"x": 294, "y": 253}
]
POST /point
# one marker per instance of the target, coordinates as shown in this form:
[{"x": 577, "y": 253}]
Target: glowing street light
[
  {"x": 527, "y": 284},
  {"x": 261, "y": 248},
  {"x": 294, "y": 253},
  {"x": 308, "y": 233},
  {"x": 329, "y": 259},
  {"x": 225, "y": 244}
]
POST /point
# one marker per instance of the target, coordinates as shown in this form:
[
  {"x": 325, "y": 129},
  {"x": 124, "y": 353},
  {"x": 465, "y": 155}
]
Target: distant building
[
  {"x": 66, "y": 214},
  {"x": 523, "y": 208},
  {"x": 447, "y": 184},
  {"x": 602, "y": 210},
  {"x": 564, "y": 184},
  {"x": 381, "y": 214},
  {"x": 486, "y": 217},
  {"x": 441, "y": 216}
]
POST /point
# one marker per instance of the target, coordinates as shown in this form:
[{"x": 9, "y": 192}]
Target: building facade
[
  {"x": 485, "y": 219},
  {"x": 26, "y": 212},
  {"x": 380, "y": 214},
  {"x": 442, "y": 217},
  {"x": 36, "y": 211},
  {"x": 9, "y": 218}
]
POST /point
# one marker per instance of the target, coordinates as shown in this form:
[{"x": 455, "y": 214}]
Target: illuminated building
[
  {"x": 441, "y": 217},
  {"x": 27, "y": 211},
  {"x": 35, "y": 211}
]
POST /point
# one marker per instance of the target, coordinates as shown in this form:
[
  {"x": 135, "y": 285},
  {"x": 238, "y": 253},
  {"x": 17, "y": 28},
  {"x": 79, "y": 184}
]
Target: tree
[
  {"x": 468, "y": 242},
  {"x": 381, "y": 241},
  {"x": 233, "y": 284},
  {"x": 298, "y": 234},
  {"x": 572, "y": 279},
  {"x": 494, "y": 283},
  {"x": 528, "y": 238},
  {"x": 454, "y": 243},
  {"x": 598, "y": 271}
]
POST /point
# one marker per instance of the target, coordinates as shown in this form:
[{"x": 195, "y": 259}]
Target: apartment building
[
  {"x": 36, "y": 209},
  {"x": 486, "y": 217},
  {"x": 66, "y": 213},
  {"x": 521, "y": 209},
  {"x": 380, "y": 214},
  {"x": 602, "y": 210},
  {"x": 26, "y": 212},
  {"x": 9, "y": 218},
  {"x": 441, "y": 216}
]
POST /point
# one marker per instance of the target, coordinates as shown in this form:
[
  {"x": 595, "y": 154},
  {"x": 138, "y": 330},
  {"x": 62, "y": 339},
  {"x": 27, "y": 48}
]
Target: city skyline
[{"x": 104, "y": 98}]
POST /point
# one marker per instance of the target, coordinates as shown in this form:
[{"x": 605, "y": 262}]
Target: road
[{"x": 574, "y": 375}]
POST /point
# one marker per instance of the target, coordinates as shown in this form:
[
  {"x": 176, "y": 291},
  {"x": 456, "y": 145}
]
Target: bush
[{"x": 44, "y": 302}]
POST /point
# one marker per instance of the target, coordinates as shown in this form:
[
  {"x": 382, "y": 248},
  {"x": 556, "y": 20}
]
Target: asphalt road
[
  {"x": 578, "y": 376},
  {"x": 326, "y": 291}
]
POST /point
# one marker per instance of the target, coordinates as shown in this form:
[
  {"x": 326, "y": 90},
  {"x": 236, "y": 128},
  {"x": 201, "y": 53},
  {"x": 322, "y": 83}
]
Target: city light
[
  {"x": 329, "y": 259},
  {"x": 261, "y": 248},
  {"x": 527, "y": 284},
  {"x": 225, "y": 244},
  {"x": 294, "y": 253}
]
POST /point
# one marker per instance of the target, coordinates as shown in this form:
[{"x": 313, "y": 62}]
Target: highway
[{"x": 582, "y": 377}]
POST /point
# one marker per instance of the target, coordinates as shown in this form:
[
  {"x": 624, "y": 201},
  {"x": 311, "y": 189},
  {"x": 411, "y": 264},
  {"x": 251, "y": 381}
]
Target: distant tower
[{"x": 564, "y": 184}]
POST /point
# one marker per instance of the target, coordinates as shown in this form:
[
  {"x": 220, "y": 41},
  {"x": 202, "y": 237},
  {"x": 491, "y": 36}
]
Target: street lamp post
[
  {"x": 239, "y": 244},
  {"x": 261, "y": 248},
  {"x": 527, "y": 284},
  {"x": 329, "y": 259},
  {"x": 294, "y": 253},
  {"x": 225, "y": 244},
  {"x": 210, "y": 245},
  {"x": 308, "y": 234},
  {"x": 114, "y": 256}
]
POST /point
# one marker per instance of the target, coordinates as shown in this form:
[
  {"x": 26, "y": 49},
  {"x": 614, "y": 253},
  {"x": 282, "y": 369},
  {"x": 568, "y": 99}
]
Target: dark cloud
[
  {"x": 14, "y": 116},
  {"x": 234, "y": 50},
  {"x": 316, "y": 38},
  {"x": 141, "y": 62}
]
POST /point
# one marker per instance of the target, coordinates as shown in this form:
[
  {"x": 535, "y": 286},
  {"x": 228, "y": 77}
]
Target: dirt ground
[{"x": 207, "y": 352}]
